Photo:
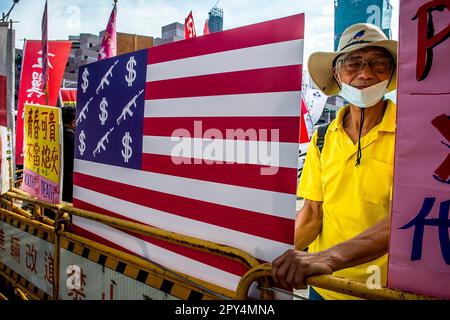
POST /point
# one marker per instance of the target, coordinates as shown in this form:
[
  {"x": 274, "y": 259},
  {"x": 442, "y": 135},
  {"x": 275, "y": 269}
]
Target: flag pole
[
  {"x": 11, "y": 136},
  {"x": 44, "y": 49},
  {"x": 46, "y": 92}
]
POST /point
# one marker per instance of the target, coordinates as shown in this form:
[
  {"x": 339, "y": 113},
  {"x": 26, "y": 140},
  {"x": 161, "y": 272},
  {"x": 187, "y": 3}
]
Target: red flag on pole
[
  {"x": 108, "y": 48},
  {"x": 68, "y": 97},
  {"x": 304, "y": 136},
  {"x": 189, "y": 27},
  {"x": 206, "y": 28},
  {"x": 44, "y": 30}
]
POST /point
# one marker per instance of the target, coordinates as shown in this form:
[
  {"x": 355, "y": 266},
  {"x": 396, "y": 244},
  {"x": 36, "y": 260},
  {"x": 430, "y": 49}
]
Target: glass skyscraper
[
  {"x": 215, "y": 19},
  {"x": 348, "y": 12}
]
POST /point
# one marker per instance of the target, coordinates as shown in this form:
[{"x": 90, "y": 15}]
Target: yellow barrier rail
[
  {"x": 58, "y": 228},
  {"x": 257, "y": 272},
  {"x": 21, "y": 294},
  {"x": 139, "y": 262},
  {"x": 199, "y": 244},
  {"x": 19, "y": 289},
  {"x": 328, "y": 282}
]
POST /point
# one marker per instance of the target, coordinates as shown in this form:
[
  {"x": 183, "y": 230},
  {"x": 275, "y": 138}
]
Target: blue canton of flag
[{"x": 110, "y": 110}]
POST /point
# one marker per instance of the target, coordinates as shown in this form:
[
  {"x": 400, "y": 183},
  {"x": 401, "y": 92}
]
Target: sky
[{"x": 146, "y": 17}]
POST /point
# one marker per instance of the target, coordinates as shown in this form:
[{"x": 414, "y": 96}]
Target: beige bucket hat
[{"x": 355, "y": 37}]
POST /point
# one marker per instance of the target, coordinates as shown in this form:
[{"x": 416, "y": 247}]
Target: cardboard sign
[{"x": 43, "y": 153}]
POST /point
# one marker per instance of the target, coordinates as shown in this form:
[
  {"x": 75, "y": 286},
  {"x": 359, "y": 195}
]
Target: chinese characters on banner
[
  {"x": 419, "y": 258},
  {"x": 43, "y": 153},
  {"x": 80, "y": 278},
  {"x": 31, "y": 82},
  {"x": 5, "y": 157},
  {"x": 28, "y": 255}
]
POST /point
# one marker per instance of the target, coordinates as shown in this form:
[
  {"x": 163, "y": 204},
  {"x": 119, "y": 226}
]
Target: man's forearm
[
  {"x": 367, "y": 246},
  {"x": 306, "y": 230}
]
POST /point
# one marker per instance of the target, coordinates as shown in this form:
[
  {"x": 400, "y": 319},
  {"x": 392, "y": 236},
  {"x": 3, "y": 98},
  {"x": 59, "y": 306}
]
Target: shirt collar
[{"x": 387, "y": 123}]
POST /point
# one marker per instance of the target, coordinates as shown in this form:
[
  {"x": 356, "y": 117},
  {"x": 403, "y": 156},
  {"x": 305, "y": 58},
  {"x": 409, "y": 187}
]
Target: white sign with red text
[{"x": 28, "y": 256}]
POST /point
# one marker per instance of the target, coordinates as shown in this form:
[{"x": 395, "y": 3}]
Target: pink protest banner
[
  {"x": 419, "y": 259},
  {"x": 3, "y": 112},
  {"x": 108, "y": 48}
]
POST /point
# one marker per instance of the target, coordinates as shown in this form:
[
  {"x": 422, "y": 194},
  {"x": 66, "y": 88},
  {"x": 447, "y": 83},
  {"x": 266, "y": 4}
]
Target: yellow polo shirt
[{"x": 354, "y": 198}]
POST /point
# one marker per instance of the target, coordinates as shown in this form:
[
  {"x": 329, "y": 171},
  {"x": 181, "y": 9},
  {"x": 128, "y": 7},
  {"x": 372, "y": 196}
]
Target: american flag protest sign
[{"x": 198, "y": 137}]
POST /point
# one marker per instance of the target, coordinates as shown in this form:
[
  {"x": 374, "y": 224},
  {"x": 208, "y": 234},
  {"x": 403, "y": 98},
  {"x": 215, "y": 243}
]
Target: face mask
[{"x": 366, "y": 97}]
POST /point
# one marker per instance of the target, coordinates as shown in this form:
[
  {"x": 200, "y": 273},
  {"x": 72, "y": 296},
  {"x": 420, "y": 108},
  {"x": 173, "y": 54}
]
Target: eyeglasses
[{"x": 378, "y": 65}]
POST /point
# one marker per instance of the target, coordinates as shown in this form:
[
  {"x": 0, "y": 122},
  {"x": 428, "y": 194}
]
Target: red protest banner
[
  {"x": 31, "y": 83},
  {"x": 68, "y": 97}
]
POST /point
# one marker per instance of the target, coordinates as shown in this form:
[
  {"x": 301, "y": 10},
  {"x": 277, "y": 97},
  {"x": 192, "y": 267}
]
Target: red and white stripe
[{"x": 246, "y": 78}]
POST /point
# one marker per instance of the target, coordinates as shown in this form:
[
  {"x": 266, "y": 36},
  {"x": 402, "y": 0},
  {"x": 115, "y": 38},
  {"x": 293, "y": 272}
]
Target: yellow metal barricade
[
  {"x": 61, "y": 237},
  {"x": 131, "y": 265},
  {"x": 332, "y": 283}
]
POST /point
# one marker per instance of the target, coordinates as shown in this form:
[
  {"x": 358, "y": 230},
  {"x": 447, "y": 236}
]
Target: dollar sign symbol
[
  {"x": 104, "y": 115},
  {"x": 127, "y": 152},
  {"x": 82, "y": 145},
  {"x": 131, "y": 72},
  {"x": 85, "y": 83}
]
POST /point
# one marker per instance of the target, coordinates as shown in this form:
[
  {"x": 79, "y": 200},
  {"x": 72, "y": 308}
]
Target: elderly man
[{"x": 348, "y": 173}]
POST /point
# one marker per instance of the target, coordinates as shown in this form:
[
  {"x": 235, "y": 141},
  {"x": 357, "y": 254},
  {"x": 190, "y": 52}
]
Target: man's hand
[{"x": 291, "y": 269}]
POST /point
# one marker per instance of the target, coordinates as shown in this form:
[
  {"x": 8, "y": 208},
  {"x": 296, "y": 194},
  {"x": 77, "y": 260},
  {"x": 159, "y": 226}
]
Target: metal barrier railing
[
  {"x": 18, "y": 289},
  {"x": 172, "y": 237},
  {"x": 332, "y": 283},
  {"x": 59, "y": 235},
  {"x": 256, "y": 271},
  {"x": 36, "y": 217}
]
